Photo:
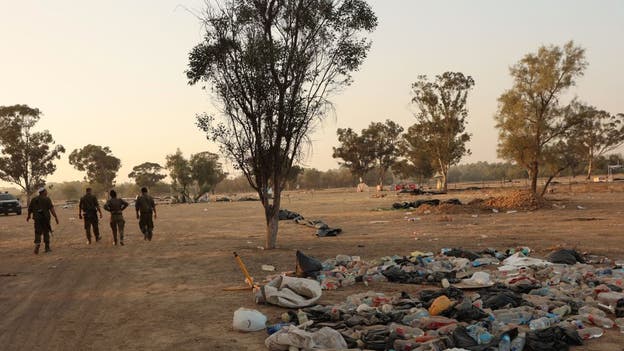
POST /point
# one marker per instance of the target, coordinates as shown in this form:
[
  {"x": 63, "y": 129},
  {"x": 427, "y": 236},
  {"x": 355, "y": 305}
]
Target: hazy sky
[{"x": 112, "y": 72}]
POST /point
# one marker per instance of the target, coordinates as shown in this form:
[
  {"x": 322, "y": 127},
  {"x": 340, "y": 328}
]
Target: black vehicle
[{"x": 10, "y": 204}]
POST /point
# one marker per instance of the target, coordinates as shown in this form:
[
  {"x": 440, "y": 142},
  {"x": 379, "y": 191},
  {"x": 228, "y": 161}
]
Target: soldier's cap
[{"x": 42, "y": 189}]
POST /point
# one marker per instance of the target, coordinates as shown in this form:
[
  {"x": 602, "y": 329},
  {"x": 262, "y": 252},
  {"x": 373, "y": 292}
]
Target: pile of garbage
[
  {"x": 322, "y": 228},
  {"x": 431, "y": 202},
  {"x": 488, "y": 300}
]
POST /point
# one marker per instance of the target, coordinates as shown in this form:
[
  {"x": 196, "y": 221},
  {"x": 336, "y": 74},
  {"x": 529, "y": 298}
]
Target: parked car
[{"x": 10, "y": 204}]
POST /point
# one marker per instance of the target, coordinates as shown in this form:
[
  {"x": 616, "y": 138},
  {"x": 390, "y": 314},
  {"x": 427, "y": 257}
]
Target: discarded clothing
[
  {"x": 418, "y": 203},
  {"x": 322, "y": 228},
  {"x": 307, "y": 266},
  {"x": 290, "y": 292}
]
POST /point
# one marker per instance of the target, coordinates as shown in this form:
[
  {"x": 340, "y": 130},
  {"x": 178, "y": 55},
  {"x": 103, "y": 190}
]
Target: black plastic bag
[
  {"x": 307, "y": 266},
  {"x": 565, "y": 256},
  {"x": 462, "y": 253},
  {"x": 553, "y": 339},
  {"x": 466, "y": 312}
]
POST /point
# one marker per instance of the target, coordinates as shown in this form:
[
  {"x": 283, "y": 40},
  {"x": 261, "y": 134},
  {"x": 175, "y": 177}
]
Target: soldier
[
  {"x": 89, "y": 207},
  {"x": 145, "y": 206},
  {"x": 40, "y": 209},
  {"x": 116, "y": 206}
]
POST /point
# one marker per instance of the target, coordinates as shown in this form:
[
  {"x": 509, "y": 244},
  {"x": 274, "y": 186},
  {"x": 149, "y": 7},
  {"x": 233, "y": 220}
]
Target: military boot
[{"x": 36, "y": 251}]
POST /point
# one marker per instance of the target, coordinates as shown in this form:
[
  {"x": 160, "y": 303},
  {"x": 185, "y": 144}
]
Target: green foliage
[
  {"x": 199, "y": 174},
  {"x": 181, "y": 174},
  {"x": 206, "y": 171},
  {"x": 595, "y": 133},
  {"x": 377, "y": 147},
  {"x": 99, "y": 163},
  {"x": 441, "y": 119},
  {"x": 355, "y": 153},
  {"x": 147, "y": 174},
  {"x": 272, "y": 66},
  {"x": 531, "y": 118},
  {"x": 27, "y": 157}
]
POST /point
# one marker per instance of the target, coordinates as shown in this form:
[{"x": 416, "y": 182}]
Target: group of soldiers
[{"x": 41, "y": 210}]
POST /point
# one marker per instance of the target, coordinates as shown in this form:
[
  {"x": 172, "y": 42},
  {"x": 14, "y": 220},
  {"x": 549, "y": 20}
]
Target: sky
[{"x": 111, "y": 72}]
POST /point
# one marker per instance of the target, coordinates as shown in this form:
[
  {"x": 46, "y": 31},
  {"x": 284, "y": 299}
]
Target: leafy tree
[
  {"x": 416, "y": 161},
  {"x": 558, "y": 158},
  {"x": 596, "y": 133},
  {"x": 530, "y": 116},
  {"x": 293, "y": 175},
  {"x": 206, "y": 171},
  {"x": 383, "y": 142},
  {"x": 181, "y": 175},
  {"x": 147, "y": 174},
  {"x": 354, "y": 151},
  {"x": 441, "y": 119},
  {"x": 272, "y": 66},
  {"x": 99, "y": 163},
  {"x": 27, "y": 157}
]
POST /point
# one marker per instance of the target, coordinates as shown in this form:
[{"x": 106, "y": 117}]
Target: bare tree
[{"x": 272, "y": 66}]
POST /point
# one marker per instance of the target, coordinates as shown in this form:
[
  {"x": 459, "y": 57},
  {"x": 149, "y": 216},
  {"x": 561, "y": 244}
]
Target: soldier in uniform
[
  {"x": 89, "y": 207},
  {"x": 116, "y": 206},
  {"x": 40, "y": 209},
  {"x": 145, "y": 207}
]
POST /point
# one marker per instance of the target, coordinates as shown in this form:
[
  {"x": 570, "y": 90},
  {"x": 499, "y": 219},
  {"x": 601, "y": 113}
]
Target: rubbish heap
[{"x": 489, "y": 300}]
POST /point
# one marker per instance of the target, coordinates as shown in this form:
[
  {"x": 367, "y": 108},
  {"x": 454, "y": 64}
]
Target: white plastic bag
[{"x": 248, "y": 320}]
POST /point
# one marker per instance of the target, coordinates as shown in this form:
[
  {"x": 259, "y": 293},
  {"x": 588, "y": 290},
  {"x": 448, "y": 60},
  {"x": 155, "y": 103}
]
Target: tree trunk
[
  {"x": 590, "y": 166},
  {"x": 533, "y": 172},
  {"x": 444, "y": 181},
  {"x": 546, "y": 185}
]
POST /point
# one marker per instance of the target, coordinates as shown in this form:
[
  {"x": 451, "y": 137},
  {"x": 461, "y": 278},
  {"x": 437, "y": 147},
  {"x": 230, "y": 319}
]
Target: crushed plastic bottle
[
  {"x": 434, "y": 322},
  {"x": 544, "y": 322},
  {"x": 562, "y": 311},
  {"x": 620, "y": 323},
  {"x": 479, "y": 334},
  {"x": 405, "y": 331},
  {"x": 505, "y": 343},
  {"x": 603, "y": 322},
  {"x": 518, "y": 316},
  {"x": 590, "y": 333},
  {"x": 518, "y": 343}
]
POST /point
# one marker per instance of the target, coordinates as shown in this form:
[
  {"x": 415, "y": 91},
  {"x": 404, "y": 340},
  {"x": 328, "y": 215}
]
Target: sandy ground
[{"x": 167, "y": 294}]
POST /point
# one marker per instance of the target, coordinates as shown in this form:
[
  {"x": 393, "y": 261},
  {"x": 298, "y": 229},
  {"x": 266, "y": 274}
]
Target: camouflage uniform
[
  {"x": 89, "y": 206},
  {"x": 145, "y": 205},
  {"x": 40, "y": 208},
  {"x": 116, "y": 206}
]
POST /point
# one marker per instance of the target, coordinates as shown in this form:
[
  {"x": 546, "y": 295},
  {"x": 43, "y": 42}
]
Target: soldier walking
[
  {"x": 40, "y": 209},
  {"x": 145, "y": 207},
  {"x": 116, "y": 206},
  {"x": 89, "y": 207}
]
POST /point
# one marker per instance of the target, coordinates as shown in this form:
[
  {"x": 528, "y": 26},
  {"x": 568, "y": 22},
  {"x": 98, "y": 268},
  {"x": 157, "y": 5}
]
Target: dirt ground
[{"x": 167, "y": 294}]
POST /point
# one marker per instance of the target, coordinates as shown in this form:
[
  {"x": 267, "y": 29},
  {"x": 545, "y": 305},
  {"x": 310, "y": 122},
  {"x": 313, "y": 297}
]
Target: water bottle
[
  {"x": 620, "y": 323},
  {"x": 272, "y": 329},
  {"x": 590, "y": 333},
  {"x": 562, "y": 311},
  {"x": 544, "y": 322},
  {"x": 513, "y": 316},
  {"x": 505, "y": 343},
  {"x": 302, "y": 317},
  {"x": 596, "y": 320},
  {"x": 479, "y": 334},
  {"x": 518, "y": 343}
]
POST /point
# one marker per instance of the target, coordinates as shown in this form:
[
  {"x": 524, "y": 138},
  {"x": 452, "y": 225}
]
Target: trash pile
[
  {"x": 416, "y": 204},
  {"x": 322, "y": 228},
  {"x": 488, "y": 300}
]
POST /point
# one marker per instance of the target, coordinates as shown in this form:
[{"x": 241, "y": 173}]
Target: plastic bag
[
  {"x": 248, "y": 320},
  {"x": 307, "y": 266},
  {"x": 565, "y": 256},
  {"x": 440, "y": 305}
]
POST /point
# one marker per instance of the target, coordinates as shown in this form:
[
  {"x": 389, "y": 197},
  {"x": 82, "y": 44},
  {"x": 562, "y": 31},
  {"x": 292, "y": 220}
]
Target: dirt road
[{"x": 167, "y": 294}]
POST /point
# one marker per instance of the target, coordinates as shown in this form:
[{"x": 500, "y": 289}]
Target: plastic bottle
[
  {"x": 603, "y": 322},
  {"x": 505, "y": 343},
  {"x": 544, "y": 322},
  {"x": 479, "y": 334},
  {"x": 272, "y": 329},
  {"x": 610, "y": 298},
  {"x": 302, "y": 317},
  {"x": 591, "y": 310},
  {"x": 562, "y": 311},
  {"x": 620, "y": 323},
  {"x": 513, "y": 316},
  {"x": 590, "y": 333},
  {"x": 405, "y": 331},
  {"x": 518, "y": 343},
  {"x": 434, "y": 322}
]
